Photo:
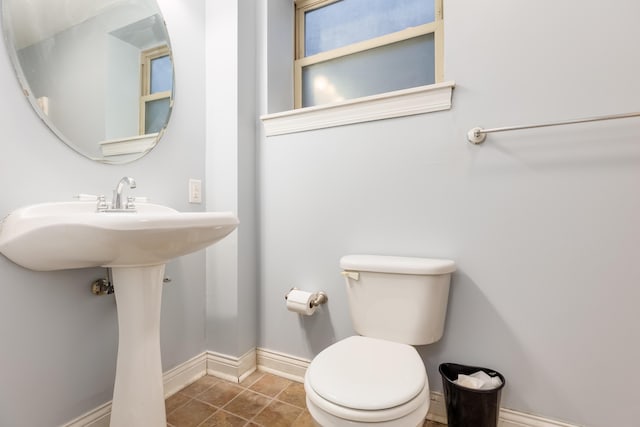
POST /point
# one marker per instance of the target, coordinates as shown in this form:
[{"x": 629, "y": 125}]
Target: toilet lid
[{"x": 367, "y": 373}]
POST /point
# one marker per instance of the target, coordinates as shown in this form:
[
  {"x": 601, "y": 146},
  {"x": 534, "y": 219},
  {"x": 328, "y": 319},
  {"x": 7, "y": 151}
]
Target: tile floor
[{"x": 260, "y": 400}]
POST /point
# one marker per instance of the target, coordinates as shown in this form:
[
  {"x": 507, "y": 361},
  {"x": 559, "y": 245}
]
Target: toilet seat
[
  {"x": 416, "y": 408},
  {"x": 368, "y": 380}
]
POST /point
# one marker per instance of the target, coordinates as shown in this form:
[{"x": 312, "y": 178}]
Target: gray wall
[
  {"x": 543, "y": 224},
  {"x": 58, "y": 342}
]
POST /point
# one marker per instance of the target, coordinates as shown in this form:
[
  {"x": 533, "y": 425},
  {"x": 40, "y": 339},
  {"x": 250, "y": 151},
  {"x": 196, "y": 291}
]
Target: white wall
[
  {"x": 58, "y": 342},
  {"x": 231, "y": 175},
  {"x": 543, "y": 224},
  {"x": 122, "y": 90}
]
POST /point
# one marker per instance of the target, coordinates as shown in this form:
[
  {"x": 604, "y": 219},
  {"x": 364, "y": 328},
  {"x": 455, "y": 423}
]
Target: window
[
  {"x": 157, "y": 88},
  {"x": 348, "y": 49}
]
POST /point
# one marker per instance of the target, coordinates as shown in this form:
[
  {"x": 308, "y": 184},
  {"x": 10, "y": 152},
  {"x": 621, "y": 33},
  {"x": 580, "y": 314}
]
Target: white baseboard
[
  {"x": 231, "y": 368},
  {"x": 98, "y": 417},
  {"x": 184, "y": 374},
  {"x": 509, "y": 418},
  {"x": 437, "y": 409},
  {"x": 237, "y": 369},
  {"x": 281, "y": 364}
]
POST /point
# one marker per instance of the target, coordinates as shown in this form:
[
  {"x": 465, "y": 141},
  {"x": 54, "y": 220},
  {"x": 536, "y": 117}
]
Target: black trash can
[{"x": 467, "y": 407}]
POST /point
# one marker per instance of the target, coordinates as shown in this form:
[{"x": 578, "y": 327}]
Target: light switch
[{"x": 195, "y": 191}]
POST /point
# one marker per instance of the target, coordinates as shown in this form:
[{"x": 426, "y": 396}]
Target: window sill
[
  {"x": 407, "y": 102},
  {"x": 131, "y": 145}
]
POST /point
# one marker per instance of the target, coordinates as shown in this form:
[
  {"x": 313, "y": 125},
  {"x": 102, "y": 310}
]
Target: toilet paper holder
[{"x": 319, "y": 298}]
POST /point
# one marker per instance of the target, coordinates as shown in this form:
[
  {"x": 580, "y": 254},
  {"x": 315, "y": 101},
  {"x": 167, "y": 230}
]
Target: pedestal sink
[{"x": 136, "y": 246}]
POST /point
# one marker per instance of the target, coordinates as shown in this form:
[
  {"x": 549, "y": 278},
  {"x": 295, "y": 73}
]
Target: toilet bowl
[
  {"x": 378, "y": 378},
  {"x": 362, "y": 381}
]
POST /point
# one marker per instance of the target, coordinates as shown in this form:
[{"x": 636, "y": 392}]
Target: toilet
[{"x": 377, "y": 377}]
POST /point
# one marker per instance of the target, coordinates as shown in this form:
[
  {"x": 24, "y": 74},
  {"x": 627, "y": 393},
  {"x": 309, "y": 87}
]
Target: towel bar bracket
[{"x": 476, "y": 136}]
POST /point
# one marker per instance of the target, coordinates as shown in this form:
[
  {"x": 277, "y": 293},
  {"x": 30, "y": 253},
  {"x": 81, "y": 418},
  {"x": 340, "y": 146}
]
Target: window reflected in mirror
[{"x": 157, "y": 86}]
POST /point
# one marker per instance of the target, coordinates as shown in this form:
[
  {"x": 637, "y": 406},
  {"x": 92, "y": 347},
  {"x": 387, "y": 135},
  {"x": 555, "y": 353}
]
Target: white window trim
[
  {"x": 400, "y": 103},
  {"x": 302, "y": 6}
]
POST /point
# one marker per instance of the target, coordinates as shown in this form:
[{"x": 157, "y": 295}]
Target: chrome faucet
[{"x": 116, "y": 203}]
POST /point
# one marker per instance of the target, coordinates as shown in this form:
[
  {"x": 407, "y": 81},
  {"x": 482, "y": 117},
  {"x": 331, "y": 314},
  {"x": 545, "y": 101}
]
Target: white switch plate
[{"x": 195, "y": 191}]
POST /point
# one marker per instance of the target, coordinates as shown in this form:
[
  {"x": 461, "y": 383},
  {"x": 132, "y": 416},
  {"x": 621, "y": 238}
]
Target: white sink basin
[
  {"x": 136, "y": 246},
  {"x": 57, "y": 236}
]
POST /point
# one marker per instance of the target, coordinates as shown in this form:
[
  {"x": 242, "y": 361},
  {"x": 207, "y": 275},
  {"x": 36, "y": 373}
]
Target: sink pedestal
[{"x": 138, "y": 395}]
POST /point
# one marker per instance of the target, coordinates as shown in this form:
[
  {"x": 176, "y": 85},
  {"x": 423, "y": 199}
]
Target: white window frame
[{"x": 303, "y": 6}]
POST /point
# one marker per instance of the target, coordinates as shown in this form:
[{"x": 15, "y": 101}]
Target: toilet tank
[{"x": 398, "y": 299}]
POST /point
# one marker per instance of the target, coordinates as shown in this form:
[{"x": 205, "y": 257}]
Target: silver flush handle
[{"x": 351, "y": 275}]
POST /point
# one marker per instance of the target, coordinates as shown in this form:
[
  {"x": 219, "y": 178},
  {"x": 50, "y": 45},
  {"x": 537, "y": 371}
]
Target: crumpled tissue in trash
[{"x": 479, "y": 381}]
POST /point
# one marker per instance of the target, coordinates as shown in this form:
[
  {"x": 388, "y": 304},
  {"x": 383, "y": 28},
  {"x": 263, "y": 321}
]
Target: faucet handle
[
  {"x": 86, "y": 197},
  {"x": 130, "y": 203},
  {"x": 102, "y": 200},
  {"x": 102, "y": 203}
]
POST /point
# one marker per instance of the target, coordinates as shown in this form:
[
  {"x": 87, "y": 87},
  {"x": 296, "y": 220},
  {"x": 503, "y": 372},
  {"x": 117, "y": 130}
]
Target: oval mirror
[{"x": 99, "y": 73}]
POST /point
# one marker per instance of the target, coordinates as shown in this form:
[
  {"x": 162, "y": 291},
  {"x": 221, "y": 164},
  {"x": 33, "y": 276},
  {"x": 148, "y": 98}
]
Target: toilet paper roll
[{"x": 300, "y": 302}]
